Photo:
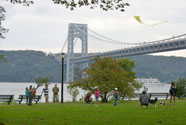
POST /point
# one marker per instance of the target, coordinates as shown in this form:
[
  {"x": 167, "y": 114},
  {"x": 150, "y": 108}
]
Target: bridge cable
[
  {"x": 108, "y": 41},
  {"x": 111, "y": 39},
  {"x": 64, "y": 44}
]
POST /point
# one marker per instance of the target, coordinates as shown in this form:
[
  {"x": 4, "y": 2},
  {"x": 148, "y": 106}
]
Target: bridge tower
[{"x": 75, "y": 31}]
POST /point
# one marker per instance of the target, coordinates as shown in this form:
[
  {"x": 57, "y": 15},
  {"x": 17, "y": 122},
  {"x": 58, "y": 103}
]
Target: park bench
[
  {"x": 6, "y": 98},
  {"x": 36, "y": 98},
  {"x": 150, "y": 95},
  {"x": 166, "y": 95}
]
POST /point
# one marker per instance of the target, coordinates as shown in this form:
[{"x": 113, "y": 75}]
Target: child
[
  {"x": 96, "y": 93},
  {"x": 115, "y": 96},
  {"x": 27, "y": 95}
]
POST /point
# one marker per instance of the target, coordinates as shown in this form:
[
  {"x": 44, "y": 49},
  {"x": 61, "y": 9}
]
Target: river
[{"x": 17, "y": 89}]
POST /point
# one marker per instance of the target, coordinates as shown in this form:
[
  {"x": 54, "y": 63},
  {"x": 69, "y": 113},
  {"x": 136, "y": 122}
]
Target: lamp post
[{"x": 62, "y": 59}]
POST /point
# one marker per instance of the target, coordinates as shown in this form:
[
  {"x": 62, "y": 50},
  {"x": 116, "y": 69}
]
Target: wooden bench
[
  {"x": 36, "y": 98},
  {"x": 6, "y": 98}
]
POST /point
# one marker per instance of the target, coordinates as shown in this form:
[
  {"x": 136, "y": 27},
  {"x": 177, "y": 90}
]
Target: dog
[
  {"x": 163, "y": 103},
  {"x": 153, "y": 101}
]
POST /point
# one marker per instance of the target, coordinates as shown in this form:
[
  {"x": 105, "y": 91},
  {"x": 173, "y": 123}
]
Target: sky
[{"x": 44, "y": 25}]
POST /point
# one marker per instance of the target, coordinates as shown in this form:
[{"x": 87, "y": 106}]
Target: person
[
  {"x": 45, "y": 91},
  {"x": 145, "y": 89},
  {"x": 33, "y": 92},
  {"x": 97, "y": 93},
  {"x": 55, "y": 91},
  {"x": 30, "y": 95},
  {"x": 144, "y": 99},
  {"x": 172, "y": 92},
  {"x": 115, "y": 96},
  {"x": 27, "y": 95},
  {"x": 88, "y": 98}
]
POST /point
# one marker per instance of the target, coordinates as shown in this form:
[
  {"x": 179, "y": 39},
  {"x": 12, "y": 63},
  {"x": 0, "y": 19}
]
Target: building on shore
[{"x": 150, "y": 82}]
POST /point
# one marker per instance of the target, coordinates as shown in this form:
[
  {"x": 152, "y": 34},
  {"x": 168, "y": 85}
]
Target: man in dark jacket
[{"x": 144, "y": 99}]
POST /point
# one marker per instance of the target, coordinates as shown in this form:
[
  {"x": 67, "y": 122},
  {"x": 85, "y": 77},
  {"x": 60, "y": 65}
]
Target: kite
[{"x": 139, "y": 20}]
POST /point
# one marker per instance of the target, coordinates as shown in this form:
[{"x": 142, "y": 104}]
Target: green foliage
[
  {"x": 2, "y": 59},
  {"x": 26, "y": 66},
  {"x": 102, "y": 4},
  {"x": 73, "y": 4},
  {"x": 42, "y": 81},
  {"x": 107, "y": 74},
  {"x": 74, "y": 92},
  {"x": 128, "y": 66},
  {"x": 22, "y": 2},
  {"x": 181, "y": 88},
  {"x": 164, "y": 68},
  {"x": 2, "y": 18}
]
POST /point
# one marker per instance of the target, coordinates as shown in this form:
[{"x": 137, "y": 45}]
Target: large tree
[
  {"x": 107, "y": 74},
  {"x": 72, "y": 4},
  {"x": 181, "y": 88},
  {"x": 2, "y": 18},
  {"x": 2, "y": 29}
]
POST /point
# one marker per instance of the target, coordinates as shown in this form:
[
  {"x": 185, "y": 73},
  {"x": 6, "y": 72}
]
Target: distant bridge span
[
  {"x": 81, "y": 31},
  {"x": 171, "y": 44}
]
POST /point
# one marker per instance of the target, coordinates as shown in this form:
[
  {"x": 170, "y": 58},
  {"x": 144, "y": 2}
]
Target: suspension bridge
[{"x": 94, "y": 44}]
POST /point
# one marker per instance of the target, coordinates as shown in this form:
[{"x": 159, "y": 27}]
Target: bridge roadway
[{"x": 174, "y": 43}]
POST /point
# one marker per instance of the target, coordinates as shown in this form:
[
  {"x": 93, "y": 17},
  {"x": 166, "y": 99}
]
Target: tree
[
  {"x": 2, "y": 59},
  {"x": 42, "y": 81},
  {"x": 23, "y": 2},
  {"x": 72, "y": 4},
  {"x": 107, "y": 74},
  {"x": 2, "y": 18},
  {"x": 181, "y": 88},
  {"x": 128, "y": 66},
  {"x": 73, "y": 92}
]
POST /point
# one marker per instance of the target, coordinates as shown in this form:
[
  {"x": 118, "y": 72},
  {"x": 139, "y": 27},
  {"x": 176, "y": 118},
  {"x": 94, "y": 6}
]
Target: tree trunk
[{"x": 104, "y": 98}]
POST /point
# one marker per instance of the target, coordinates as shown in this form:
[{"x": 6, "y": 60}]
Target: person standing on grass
[
  {"x": 55, "y": 94},
  {"x": 27, "y": 95},
  {"x": 97, "y": 93},
  {"x": 115, "y": 96},
  {"x": 33, "y": 92},
  {"x": 45, "y": 91},
  {"x": 172, "y": 92},
  {"x": 30, "y": 95}
]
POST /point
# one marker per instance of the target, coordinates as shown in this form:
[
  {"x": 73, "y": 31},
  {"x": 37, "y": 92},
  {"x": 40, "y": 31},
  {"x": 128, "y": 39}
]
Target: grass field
[{"x": 125, "y": 113}]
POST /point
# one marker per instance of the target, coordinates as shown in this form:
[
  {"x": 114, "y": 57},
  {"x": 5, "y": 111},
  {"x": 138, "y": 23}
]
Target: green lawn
[{"x": 125, "y": 113}]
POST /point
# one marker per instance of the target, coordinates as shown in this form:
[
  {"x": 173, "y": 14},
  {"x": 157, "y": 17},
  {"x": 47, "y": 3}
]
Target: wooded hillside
[{"x": 26, "y": 66}]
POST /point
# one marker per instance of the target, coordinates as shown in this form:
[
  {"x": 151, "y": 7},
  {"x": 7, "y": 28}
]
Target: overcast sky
[{"x": 44, "y": 26}]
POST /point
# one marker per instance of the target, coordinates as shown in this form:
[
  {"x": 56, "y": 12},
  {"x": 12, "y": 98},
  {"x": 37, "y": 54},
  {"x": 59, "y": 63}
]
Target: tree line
[{"x": 26, "y": 66}]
